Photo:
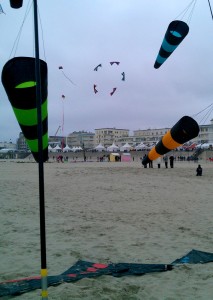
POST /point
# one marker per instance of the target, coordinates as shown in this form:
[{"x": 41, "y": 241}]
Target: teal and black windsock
[
  {"x": 175, "y": 34},
  {"x": 18, "y": 79},
  {"x": 16, "y": 3},
  {"x": 183, "y": 131}
]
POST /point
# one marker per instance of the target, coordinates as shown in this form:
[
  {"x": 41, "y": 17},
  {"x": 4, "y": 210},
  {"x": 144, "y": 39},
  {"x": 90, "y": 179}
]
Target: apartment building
[{"x": 106, "y": 136}]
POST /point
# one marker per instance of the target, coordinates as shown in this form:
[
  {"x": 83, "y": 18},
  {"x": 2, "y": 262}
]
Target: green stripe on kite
[
  {"x": 26, "y": 84},
  {"x": 33, "y": 144},
  {"x": 28, "y": 117}
]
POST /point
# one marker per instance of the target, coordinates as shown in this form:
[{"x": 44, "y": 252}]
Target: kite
[
  {"x": 96, "y": 68},
  {"x": 16, "y": 3},
  {"x": 114, "y": 62},
  {"x": 95, "y": 90},
  {"x": 18, "y": 79},
  {"x": 123, "y": 76},
  {"x": 117, "y": 63},
  {"x": 114, "y": 89},
  {"x": 175, "y": 34},
  {"x": 183, "y": 131},
  {"x": 84, "y": 269},
  {"x": 61, "y": 68}
]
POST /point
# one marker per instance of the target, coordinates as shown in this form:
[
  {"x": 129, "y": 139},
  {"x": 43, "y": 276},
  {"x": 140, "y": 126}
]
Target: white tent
[
  {"x": 112, "y": 148},
  {"x": 67, "y": 149},
  {"x": 141, "y": 146},
  {"x": 56, "y": 149},
  {"x": 50, "y": 149},
  {"x": 100, "y": 147},
  {"x": 126, "y": 147},
  {"x": 206, "y": 146}
]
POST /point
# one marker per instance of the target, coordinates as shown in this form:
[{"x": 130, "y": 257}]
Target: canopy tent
[
  {"x": 67, "y": 149},
  {"x": 141, "y": 146},
  {"x": 126, "y": 147},
  {"x": 57, "y": 149},
  {"x": 113, "y": 147},
  {"x": 100, "y": 148},
  {"x": 50, "y": 149}
]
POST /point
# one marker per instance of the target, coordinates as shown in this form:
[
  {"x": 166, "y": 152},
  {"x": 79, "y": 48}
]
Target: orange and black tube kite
[
  {"x": 18, "y": 79},
  {"x": 183, "y": 131}
]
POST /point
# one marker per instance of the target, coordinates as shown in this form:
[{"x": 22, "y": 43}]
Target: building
[
  {"x": 21, "y": 143},
  {"x": 205, "y": 134},
  {"x": 107, "y": 136},
  {"x": 149, "y": 136},
  {"x": 80, "y": 139}
]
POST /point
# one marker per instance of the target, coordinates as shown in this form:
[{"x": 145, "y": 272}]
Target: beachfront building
[
  {"x": 81, "y": 139},
  {"x": 108, "y": 136},
  {"x": 149, "y": 136},
  {"x": 21, "y": 143},
  {"x": 7, "y": 145},
  {"x": 205, "y": 134}
]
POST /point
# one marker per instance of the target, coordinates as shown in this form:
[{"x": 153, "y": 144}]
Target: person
[
  {"x": 145, "y": 166},
  {"x": 158, "y": 160},
  {"x": 165, "y": 158},
  {"x": 171, "y": 158},
  {"x": 199, "y": 170}
]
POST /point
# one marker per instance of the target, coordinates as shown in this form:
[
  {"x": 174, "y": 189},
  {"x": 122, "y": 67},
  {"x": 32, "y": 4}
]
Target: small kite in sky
[
  {"x": 95, "y": 90},
  {"x": 114, "y": 62},
  {"x": 123, "y": 76},
  {"x": 61, "y": 68},
  {"x": 98, "y": 66},
  {"x": 114, "y": 89}
]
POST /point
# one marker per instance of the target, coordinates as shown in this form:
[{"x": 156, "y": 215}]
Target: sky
[{"x": 81, "y": 34}]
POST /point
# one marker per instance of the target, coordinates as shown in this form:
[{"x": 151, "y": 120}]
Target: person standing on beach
[
  {"x": 165, "y": 158},
  {"x": 171, "y": 158},
  {"x": 199, "y": 170},
  {"x": 158, "y": 160}
]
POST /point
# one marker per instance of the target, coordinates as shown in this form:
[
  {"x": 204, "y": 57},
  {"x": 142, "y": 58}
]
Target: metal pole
[{"x": 44, "y": 283}]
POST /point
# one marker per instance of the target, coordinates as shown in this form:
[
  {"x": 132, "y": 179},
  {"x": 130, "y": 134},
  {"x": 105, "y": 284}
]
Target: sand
[{"x": 109, "y": 212}]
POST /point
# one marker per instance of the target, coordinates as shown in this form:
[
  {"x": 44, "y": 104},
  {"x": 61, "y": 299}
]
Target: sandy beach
[{"x": 109, "y": 212}]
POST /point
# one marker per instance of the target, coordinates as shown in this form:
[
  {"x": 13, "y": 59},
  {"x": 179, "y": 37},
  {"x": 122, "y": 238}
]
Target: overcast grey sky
[{"x": 80, "y": 34}]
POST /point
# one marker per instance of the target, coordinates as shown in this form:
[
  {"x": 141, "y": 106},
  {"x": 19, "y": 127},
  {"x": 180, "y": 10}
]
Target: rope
[
  {"x": 15, "y": 45},
  {"x": 206, "y": 116},
  {"x": 183, "y": 13},
  {"x": 210, "y": 9}
]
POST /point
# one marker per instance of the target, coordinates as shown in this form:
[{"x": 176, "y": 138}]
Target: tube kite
[
  {"x": 18, "y": 79},
  {"x": 16, "y": 3},
  {"x": 183, "y": 131},
  {"x": 175, "y": 34}
]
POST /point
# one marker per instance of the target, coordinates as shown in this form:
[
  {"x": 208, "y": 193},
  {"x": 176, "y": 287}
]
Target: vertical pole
[{"x": 44, "y": 284}]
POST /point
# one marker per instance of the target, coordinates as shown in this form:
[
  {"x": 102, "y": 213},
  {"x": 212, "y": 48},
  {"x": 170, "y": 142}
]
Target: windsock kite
[
  {"x": 18, "y": 79},
  {"x": 16, "y": 3},
  {"x": 183, "y": 131},
  {"x": 175, "y": 34}
]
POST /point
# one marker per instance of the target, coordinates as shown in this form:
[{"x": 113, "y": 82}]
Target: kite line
[{"x": 210, "y": 9}]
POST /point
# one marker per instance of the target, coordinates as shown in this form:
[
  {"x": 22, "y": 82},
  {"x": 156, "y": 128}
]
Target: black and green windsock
[
  {"x": 175, "y": 34},
  {"x": 183, "y": 131},
  {"x": 18, "y": 78}
]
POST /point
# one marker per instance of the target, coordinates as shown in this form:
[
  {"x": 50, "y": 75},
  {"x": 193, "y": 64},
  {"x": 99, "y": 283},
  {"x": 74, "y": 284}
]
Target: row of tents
[{"x": 101, "y": 148}]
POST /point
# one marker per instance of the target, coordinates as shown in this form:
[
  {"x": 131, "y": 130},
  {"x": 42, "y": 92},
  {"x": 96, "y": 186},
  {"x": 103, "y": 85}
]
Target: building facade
[
  {"x": 149, "y": 136},
  {"x": 81, "y": 139},
  {"x": 107, "y": 136}
]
